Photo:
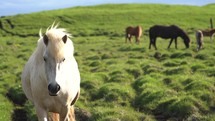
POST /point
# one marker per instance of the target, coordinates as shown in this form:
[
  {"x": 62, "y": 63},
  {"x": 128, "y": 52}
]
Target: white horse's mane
[{"x": 55, "y": 27}]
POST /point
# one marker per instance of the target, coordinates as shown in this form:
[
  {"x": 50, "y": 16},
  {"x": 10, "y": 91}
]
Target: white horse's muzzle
[{"x": 53, "y": 89}]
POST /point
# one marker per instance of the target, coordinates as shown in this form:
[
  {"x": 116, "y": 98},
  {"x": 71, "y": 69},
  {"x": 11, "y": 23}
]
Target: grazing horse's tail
[
  {"x": 139, "y": 33},
  {"x": 199, "y": 39},
  {"x": 127, "y": 35}
]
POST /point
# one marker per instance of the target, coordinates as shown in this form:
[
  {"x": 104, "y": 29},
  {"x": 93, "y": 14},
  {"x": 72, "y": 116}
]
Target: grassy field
[{"x": 119, "y": 81}]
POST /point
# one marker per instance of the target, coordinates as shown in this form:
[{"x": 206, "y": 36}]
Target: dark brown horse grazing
[
  {"x": 133, "y": 31},
  {"x": 166, "y": 32},
  {"x": 209, "y": 33},
  {"x": 199, "y": 39}
]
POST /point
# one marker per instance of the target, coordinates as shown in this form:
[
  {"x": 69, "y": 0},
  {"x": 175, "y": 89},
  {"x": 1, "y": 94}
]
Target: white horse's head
[{"x": 58, "y": 51}]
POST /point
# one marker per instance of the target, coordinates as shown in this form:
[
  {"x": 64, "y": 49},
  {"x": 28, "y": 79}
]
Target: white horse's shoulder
[
  {"x": 27, "y": 73},
  {"x": 26, "y": 84}
]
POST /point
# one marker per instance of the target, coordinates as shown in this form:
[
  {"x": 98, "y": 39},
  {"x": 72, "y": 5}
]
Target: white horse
[
  {"x": 199, "y": 39},
  {"x": 51, "y": 79}
]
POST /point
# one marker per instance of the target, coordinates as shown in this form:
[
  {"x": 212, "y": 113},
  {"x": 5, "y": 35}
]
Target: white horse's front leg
[
  {"x": 64, "y": 115},
  {"x": 41, "y": 114}
]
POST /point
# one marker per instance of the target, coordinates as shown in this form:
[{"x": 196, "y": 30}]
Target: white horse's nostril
[
  {"x": 53, "y": 89},
  {"x": 58, "y": 87}
]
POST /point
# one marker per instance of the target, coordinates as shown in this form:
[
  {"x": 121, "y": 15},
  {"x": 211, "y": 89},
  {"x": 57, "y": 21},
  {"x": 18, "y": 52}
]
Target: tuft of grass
[
  {"x": 16, "y": 95},
  {"x": 152, "y": 69},
  {"x": 114, "y": 92},
  {"x": 6, "y": 108},
  {"x": 202, "y": 56},
  {"x": 178, "y": 108},
  {"x": 177, "y": 70},
  {"x": 135, "y": 72}
]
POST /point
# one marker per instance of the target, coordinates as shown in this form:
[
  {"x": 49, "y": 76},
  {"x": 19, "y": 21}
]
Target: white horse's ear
[
  {"x": 40, "y": 33},
  {"x": 45, "y": 39},
  {"x": 64, "y": 38}
]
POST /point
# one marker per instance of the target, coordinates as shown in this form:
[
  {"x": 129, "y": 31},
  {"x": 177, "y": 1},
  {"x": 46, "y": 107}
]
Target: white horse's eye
[{"x": 63, "y": 59}]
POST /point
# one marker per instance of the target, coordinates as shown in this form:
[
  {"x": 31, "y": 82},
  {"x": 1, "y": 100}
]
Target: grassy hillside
[{"x": 120, "y": 81}]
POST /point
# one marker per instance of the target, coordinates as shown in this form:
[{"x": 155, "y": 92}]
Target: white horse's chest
[{"x": 52, "y": 103}]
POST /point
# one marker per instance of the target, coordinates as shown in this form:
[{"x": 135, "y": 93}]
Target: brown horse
[
  {"x": 209, "y": 33},
  {"x": 199, "y": 39},
  {"x": 166, "y": 32},
  {"x": 133, "y": 31}
]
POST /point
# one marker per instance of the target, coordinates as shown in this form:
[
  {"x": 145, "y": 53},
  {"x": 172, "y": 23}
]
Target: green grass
[
  {"x": 6, "y": 108},
  {"x": 119, "y": 81}
]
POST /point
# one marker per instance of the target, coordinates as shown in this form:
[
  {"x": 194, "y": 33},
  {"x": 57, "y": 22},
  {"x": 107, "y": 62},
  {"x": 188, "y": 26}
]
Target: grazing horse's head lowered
[
  {"x": 186, "y": 39},
  {"x": 51, "y": 79}
]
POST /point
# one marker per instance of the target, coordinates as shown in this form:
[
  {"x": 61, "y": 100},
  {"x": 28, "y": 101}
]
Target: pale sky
[{"x": 13, "y": 7}]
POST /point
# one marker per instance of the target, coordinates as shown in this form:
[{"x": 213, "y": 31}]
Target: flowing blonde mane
[{"x": 54, "y": 27}]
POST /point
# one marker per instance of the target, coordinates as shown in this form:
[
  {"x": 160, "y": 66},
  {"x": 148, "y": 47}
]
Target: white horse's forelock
[
  {"x": 40, "y": 33},
  {"x": 55, "y": 26},
  {"x": 54, "y": 34}
]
